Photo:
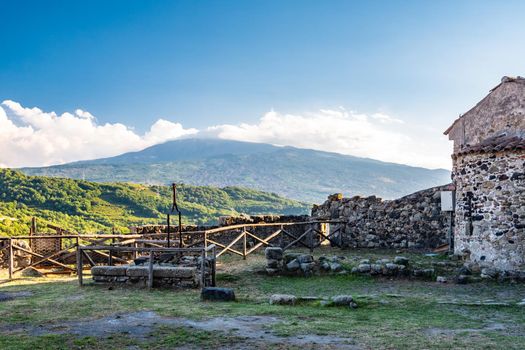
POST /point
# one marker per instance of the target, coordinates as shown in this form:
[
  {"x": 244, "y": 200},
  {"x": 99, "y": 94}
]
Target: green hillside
[{"x": 88, "y": 207}]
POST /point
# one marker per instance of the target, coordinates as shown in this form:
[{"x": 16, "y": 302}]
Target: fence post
[
  {"x": 244, "y": 244},
  {"x": 205, "y": 239},
  {"x": 311, "y": 240},
  {"x": 281, "y": 237},
  {"x": 10, "y": 258},
  {"x": 213, "y": 267},
  {"x": 150, "y": 270},
  {"x": 203, "y": 269},
  {"x": 80, "y": 267}
]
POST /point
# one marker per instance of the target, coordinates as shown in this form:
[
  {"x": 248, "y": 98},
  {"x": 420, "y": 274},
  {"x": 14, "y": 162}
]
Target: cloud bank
[{"x": 31, "y": 137}]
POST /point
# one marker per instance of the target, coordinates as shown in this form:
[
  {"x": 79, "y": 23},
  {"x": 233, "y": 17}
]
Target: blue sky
[{"x": 209, "y": 63}]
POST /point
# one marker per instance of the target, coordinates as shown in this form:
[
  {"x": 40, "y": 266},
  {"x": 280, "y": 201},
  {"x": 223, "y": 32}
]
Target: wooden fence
[{"x": 241, "y": 240}]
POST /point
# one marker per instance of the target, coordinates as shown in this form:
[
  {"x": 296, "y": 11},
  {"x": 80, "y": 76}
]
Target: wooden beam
[
  {"x": 41, "y": 256},
  {"x": 265, "y": 241}
]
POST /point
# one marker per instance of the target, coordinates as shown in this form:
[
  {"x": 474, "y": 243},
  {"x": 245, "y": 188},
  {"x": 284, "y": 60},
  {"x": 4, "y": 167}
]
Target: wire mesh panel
[{"x": 46, "y": 246}]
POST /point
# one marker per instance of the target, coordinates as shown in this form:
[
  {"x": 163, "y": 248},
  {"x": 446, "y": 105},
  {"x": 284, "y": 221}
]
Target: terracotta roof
[
  {"x": 495, "y": 144},
  {"x": 505, "y": 79}
]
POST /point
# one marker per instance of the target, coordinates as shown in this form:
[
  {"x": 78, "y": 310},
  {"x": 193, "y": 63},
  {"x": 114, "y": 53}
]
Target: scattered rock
[
  {"x": 293, "y": 265},
  {"x": 462, "y": 279},
  {"x": 342, "y": 300},
  {"x": 217, "y": 294},
  {"x": 401, "y": 260},
  {"x": 441, "y": 279},
  {"x": 273, "y": 253},
  {"x": 363, "y": 268},
  {"x": 305, "y": 259},
  {"x": 283, "y": 299},
  {"x": 489, "y": 273},
  {"x": 423, "y": 273},
  {"x": 32, "y": 272},
  {"x": 336, "y": 267}
]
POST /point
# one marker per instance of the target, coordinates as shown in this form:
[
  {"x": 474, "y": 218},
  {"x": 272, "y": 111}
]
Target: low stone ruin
[
  {"x": 184, "y": 272},
  {"x": 165, "y": 276}
]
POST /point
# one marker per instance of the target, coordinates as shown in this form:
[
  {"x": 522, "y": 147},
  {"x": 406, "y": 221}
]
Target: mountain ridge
[{"x": 302, "y": 174}]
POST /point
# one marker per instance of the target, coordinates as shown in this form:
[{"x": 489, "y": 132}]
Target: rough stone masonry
[
  {"x": 413, "y": 221},
  {"x": 489, "y": 175}
]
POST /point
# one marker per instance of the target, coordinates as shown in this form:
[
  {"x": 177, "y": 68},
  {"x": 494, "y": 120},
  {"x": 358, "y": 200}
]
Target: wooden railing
[
  {"x": 314, "y": 235},
  {"x": 242, "y": 240}
]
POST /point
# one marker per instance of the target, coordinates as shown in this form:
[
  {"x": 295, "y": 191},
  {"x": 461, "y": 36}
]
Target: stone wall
[
  {"x": 414, "y": 221},
  {"x": 490, "y": 208}
]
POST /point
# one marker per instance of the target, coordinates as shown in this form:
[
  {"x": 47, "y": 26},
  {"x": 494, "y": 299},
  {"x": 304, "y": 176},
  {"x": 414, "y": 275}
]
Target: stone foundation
[{"x": 163, "y": 276}]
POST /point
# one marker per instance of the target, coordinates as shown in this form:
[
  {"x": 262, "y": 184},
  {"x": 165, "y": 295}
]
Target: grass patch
[{"x": 392, "y": 314}]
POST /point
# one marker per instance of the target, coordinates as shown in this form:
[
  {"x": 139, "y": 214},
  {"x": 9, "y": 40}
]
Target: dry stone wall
[
  {"x": 490, "y": 208},
  {"x": 414, "y": 221}
]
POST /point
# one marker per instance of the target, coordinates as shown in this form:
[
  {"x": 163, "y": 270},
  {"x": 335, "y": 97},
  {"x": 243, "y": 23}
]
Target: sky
[{"x": 377, "y": 79}]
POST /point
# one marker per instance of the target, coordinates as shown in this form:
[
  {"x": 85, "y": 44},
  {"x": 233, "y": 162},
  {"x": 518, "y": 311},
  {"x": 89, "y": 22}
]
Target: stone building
[{"x": 489, "y": 176}]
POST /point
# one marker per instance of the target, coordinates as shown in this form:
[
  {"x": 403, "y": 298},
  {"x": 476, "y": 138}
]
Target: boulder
[
  {"x": 363, "y": 268},
  {"x": 273, "y": 264},
  {"x": 489, "y": 273},
  {"x": 290, "y": 256},
  {"x": 401, "y": 260},
  {"x": 441, "y": 279},
  {"x": 325, "y": 266},
  {"x": 391, "y": 268},
  {"x": 272, "y": 272},
  {"x": 283, "y": 299},
  {"x": 305, "y": 259},
  {"x": 336, "y": 267},
  {"x": 423, "y": 273},
  {"x": 217, "y": 294},
  {"x": 273, "y": 253},
  {"x": 32, "y": 272},
  {"x": 342, "y": 300},
  {"x": 293, "y": 265},
  {"x": 308, "y": 267},
  {"x": 376, "y": 269}
]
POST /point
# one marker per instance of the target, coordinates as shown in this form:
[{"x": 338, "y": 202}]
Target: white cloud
[
  {"x": 31, "y": 137},
  {"x": 378, "y": 136}
]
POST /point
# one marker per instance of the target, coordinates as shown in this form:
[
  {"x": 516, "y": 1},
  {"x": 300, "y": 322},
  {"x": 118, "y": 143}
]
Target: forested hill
[
  {"x": 87, "y": 206},
  {"x": 301, "y": 174}
]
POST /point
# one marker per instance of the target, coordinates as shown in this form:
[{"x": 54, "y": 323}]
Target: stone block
[
  {"x": 273, "y": 253},
  {"x": 342, "y": 300},
  {"x": 401, "y": 260},
  {"x": 283, "y": 299},
  {"x": 217, "y": 294},
  {"x": 137, "y": 271},
  {"x": 109, "y": 270},
  {"x": 293, "y": 265},
  {"x": 174, "y": 272},
  {"x": 305, "y": 258}
]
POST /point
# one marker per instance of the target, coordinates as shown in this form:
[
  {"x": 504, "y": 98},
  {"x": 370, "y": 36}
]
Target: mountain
[
  {"x": 302, "y": 174},
  {"x": 88, "y": 206}
]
